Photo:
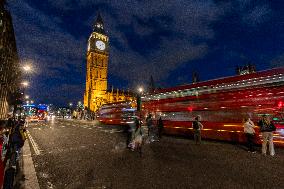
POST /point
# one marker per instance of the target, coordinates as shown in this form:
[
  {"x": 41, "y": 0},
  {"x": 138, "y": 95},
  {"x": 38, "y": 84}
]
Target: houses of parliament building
[{"x": 96, "y": 92}]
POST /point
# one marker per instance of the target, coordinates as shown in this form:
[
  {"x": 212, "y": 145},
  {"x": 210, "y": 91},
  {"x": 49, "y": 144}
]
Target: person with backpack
[
  {"x": 266, "y": 129},
  {"x": 197, "y": 127}
]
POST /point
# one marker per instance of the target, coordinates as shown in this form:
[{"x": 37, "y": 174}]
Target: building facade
[
  {"x": 96, "y": 92},
  {"x": 9, "y": 61}
]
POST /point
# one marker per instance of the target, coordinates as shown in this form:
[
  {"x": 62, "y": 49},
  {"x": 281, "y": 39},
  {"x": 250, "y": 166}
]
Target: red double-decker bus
[
  {"x": 222, "y": 104},
  {"x": 118, "y": 113}
]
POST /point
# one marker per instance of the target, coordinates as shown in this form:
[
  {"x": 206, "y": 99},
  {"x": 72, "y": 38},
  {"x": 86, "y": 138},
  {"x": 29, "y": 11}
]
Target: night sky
[{"x": 168, "y": 39}]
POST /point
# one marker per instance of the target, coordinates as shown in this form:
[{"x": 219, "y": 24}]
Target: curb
[{"x": 31, "y": 181}]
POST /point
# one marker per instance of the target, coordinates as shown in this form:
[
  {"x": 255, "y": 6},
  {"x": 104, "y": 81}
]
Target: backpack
[
  {"x": 272, "y": 127},
  {"x": 195, "y": 125},
  {"x": 264, "y": 127}
]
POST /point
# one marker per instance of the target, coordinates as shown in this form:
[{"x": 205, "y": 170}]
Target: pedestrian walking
[
  {"x": 138, "y": 137},
  {"x": 249, "y": 132},
  {"x": 128, "y": 135},
  {"x": 197, "y": 127},
  {"x": 160, "y": 127},
  {"x": 266, "y": 129},
  {"x": 149, "y": 122}
]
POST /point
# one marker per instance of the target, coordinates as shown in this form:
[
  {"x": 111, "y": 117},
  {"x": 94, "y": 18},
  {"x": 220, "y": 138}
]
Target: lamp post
[
  {"x": 138, "y": 99},
  {"x": 70, "y": 109}
]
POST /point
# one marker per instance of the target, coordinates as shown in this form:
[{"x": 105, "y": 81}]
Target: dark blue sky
[{"x": 163, "y": 38}]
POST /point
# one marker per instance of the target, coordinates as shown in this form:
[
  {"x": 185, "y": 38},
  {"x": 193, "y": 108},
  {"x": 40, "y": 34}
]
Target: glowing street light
[
  {"x": 25, "y": 83},
  {"x": 27, "y": 68},
  {"x": 70, "y": 104},
  {"x": 27, "y": 97},
  {"x": 138, "y": 99},
  {"x": 140, "y": 89},
  {"x": 32, "y": 101}
]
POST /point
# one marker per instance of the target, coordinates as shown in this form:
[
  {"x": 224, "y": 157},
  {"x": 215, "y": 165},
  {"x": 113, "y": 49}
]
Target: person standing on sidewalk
[
  {"x": 266, "y": 129},
  {"x": 249, "y": 132},
  {"x": 197, "y": 126},
  {"x": 160, "y": 127}
]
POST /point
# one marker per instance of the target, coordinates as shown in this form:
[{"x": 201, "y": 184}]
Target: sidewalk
[{"x": 1, "y": 167}]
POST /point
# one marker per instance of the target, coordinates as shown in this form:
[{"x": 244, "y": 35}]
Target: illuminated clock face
[{"x": 100, "y": 45}]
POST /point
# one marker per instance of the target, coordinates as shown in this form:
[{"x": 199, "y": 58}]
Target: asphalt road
[{"x": 79, "y": 154}]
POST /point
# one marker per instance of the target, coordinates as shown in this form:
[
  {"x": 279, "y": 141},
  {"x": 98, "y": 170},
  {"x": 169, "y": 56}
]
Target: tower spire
[{"x": 99, "y": 25}]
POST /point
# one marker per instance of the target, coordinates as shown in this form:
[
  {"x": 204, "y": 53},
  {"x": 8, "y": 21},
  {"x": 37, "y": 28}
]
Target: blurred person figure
[
  {"x": 17, "y": 137},
  {"x": 138, "y": 136},
  {"x": 10, "y": 121},
  {"x": 249, "y": 132},
  {"x": 160, "y": 127},
  {"x": 197, "y": 126},
  {"x": 5, "y": 144},
  {"x": 129, "y": 132},
  {"x": 266, "y": 129},
  {"x": 149, "y": 122}
]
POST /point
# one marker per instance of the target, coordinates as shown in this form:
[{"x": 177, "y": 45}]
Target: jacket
[{"x": 249, "y": 127}]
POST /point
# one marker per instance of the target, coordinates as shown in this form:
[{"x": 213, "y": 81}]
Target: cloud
[
  {"x": 153, "y": 36},
  {"x": 278, "y": 61},
  {"x": 257, "y": 15},
  {"x": 40, "y": 38},
  {"x": 156, "y": 37},
  {"x": 147, "y": 38}
]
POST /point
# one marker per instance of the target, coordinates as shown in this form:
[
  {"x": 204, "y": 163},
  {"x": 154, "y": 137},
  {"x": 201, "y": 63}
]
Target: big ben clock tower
[{"x": 97, "y": 64}]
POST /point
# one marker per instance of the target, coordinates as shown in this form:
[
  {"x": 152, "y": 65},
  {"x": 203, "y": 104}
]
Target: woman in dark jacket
[{"x": 266, "y": 129}]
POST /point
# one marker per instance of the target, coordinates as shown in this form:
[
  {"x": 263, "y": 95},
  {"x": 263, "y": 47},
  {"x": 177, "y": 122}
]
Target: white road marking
[
  {"x": 34, "y": 144},
  {"x": 119, "y": 131},
  {"x": 31, "y": 180}
]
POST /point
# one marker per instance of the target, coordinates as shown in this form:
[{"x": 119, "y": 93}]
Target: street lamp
[
  {"x": 25, "y": 83},
  {"x": 27, "y": 97},
  {"x": 140, "y": 90},
  {"x": 27, "y": 68},
  {"x": 138, "y": 99},
  {"x": 32, "y": 101}
]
